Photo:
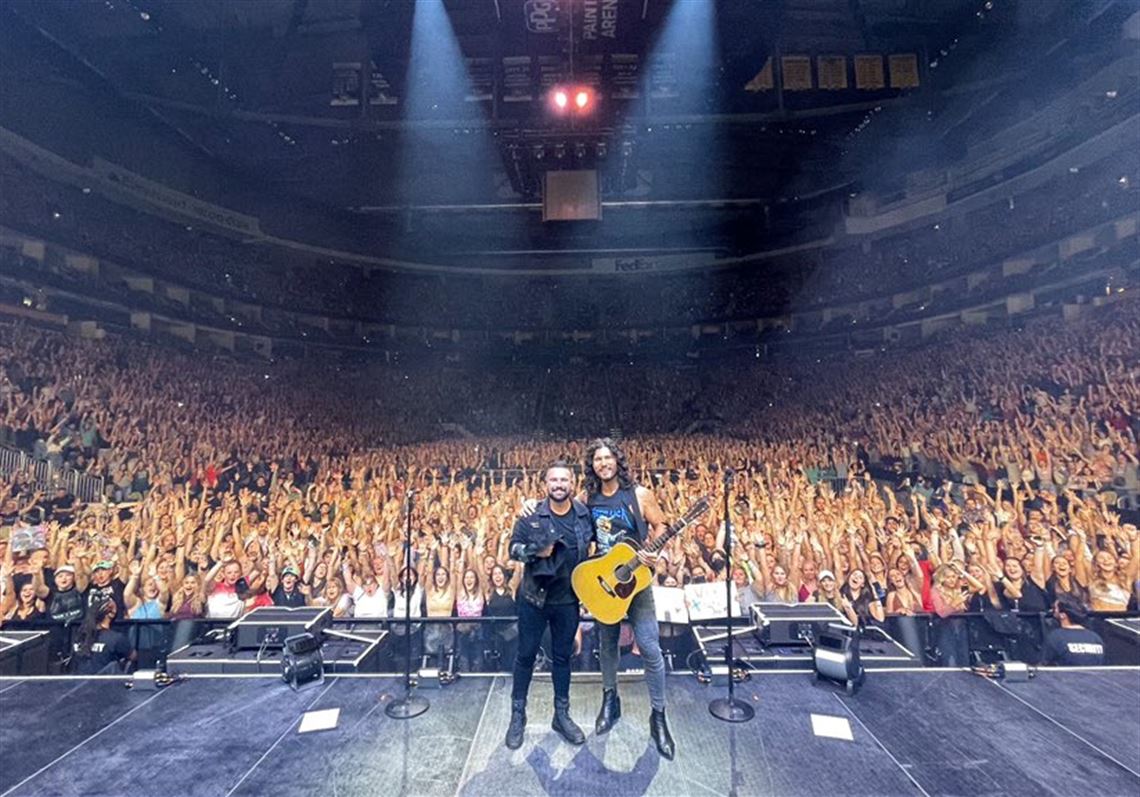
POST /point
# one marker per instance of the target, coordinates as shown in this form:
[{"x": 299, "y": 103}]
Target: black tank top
[
  {"x": 616, "y": 517},
  {"x": 500, "y": 605},
  {"x": 67, "y": 606}
]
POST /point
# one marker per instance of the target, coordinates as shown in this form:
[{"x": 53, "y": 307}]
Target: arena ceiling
[{"x": 319, "y": 99}]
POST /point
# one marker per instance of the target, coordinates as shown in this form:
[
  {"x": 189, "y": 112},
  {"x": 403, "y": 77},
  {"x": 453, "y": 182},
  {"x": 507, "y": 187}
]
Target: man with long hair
[{"x": 625, "y": 511}]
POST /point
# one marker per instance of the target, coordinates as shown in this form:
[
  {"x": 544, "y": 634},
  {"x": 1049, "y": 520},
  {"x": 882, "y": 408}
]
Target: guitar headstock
[{"x": 703, "y": 504}]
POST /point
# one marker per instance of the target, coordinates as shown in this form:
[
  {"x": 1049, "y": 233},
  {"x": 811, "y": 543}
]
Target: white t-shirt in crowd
[
  {"x": 399, "y": 600},
  {"x": 224, "y": 604},
  {"x": 375, "y": 605}
]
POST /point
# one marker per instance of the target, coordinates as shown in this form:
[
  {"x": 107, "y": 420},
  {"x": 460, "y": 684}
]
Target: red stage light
[
  {"x": 560, "y": 98},
  {"x": 582, "y": 99}
]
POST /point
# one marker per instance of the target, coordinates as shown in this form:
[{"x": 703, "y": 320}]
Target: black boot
[
  {"x": 659, "y": 730},
  {"x": 610, "y": 711},
  {"x": 563, "y": 725},
  {"x": 518, "y": 724}
]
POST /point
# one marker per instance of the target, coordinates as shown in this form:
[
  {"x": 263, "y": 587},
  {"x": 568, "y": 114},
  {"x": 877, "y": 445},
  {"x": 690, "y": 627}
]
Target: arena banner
[
  {"x": 869, "y": 74},
  {"x": 796, "y": 70},
  {"x": 762, "y": 80},
  {"x": 832, "y": 71},
  {"x": 346, "y": 83},
  {"x": 904, "y": 70},
  {"x": 148, "y": 192}
]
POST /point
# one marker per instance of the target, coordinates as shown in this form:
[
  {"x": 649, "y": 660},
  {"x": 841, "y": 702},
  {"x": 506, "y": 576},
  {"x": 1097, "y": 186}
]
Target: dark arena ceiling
[{"x": 429, "y": 123}]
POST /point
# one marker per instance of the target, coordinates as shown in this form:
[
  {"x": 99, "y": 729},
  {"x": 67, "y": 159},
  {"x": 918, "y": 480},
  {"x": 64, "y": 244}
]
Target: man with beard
[
  {"x": 550, "y": 543},
  {"x": 625, "y": 511}
]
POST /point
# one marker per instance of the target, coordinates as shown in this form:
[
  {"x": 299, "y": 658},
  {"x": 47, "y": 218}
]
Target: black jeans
[{"x": 563, "y": 620}]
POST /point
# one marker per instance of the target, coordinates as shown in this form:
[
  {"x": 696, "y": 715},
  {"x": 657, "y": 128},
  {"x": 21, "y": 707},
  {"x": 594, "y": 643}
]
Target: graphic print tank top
[{"x": 616, "y": 517}]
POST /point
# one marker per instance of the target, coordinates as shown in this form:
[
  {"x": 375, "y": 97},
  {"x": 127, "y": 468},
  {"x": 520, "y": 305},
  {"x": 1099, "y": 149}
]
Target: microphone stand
[
  {"x": 409, "y": 705},
  {"x": 729, "y": 709}
]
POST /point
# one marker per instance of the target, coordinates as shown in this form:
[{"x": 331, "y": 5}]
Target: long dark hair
[
  {"x": 593, "y": 483},
  {"x": 89, "y": 631},
  {"x": 860, "y": 600}
]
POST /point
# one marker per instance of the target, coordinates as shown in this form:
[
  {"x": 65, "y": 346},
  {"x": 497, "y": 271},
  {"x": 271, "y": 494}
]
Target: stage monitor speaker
[
  {"x": 268, "y": 627},
  {"x": 571, "y": 195}
]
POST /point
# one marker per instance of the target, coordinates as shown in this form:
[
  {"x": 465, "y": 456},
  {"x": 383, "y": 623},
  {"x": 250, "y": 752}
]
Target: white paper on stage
[
  {"x": 670, "y": 604},
  {"x": 831, "y": 727},
  {"x": 707, "y": 601},
  {"x": 322, "y": 720}
]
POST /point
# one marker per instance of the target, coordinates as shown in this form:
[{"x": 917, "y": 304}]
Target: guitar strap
[{"x": 635, "y": 509}]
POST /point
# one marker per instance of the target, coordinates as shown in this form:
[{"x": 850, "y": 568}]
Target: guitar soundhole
[
  {"x": 623, "y": 573},
  {"x": 625, "y": 588}
]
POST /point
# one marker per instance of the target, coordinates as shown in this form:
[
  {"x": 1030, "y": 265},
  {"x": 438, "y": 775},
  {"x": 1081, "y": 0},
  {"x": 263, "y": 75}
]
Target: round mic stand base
[
  {"x": 730, "y": 709},
  {"x": 411, "y": 706}
]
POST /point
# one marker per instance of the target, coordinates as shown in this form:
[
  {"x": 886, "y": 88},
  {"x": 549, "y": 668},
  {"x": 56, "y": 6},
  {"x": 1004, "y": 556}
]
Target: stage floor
[{"x": 930, "y": 732}]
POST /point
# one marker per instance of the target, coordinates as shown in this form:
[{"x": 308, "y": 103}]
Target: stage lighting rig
[{"x": 578, "y": 100}]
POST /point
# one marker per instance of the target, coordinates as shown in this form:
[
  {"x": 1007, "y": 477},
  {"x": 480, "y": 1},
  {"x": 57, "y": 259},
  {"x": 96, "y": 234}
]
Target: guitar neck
[
  {"x": 671, "y": 532},
  {"x": 694, "y": 512}
]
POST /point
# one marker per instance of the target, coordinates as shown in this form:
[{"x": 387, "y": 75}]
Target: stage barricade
[{"x": 488, "y": 644}]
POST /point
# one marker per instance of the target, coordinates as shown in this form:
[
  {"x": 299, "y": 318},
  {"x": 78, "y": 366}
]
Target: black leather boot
[
  {"x": 518, "y": 724},
  {"x": 659, "y": 730},
  {"x": 563, "y": 725},
  {"x": 610, "y": 711}
]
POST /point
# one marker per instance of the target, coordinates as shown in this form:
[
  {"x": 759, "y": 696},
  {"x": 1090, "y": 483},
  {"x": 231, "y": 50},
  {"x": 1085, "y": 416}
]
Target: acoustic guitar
[{"x": 606, "y": 584}]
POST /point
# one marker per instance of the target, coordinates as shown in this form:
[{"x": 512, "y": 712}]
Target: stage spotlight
[
  {"x": 561, "y": 99},
  {"x": 836, "y": 657},
  {"x": 582, "y": 99},
  {"x": 301, "y": 661}
]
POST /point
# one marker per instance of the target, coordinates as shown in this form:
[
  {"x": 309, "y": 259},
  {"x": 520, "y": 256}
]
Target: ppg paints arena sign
[
  {"x": 599, "y": 18},
  {"x": 541, "y": 15}
]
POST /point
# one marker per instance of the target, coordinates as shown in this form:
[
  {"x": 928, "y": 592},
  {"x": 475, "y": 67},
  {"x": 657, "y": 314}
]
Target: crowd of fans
[
  {"x": 1066, "y": 204},
  {"x": 977, "y": 471}
]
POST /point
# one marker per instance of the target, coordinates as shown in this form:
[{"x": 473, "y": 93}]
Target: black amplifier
[
  {"x": 793, "y": 623},
  {"x": 269, "y": 626}
]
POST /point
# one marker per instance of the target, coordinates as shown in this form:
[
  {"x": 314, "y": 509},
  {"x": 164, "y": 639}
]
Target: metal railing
[
  {"x": 488, "y": 645},
  {"x": 46, "y": 475}
]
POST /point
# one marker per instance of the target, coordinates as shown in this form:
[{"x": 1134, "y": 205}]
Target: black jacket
[{"x": 533, "y": 534}]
